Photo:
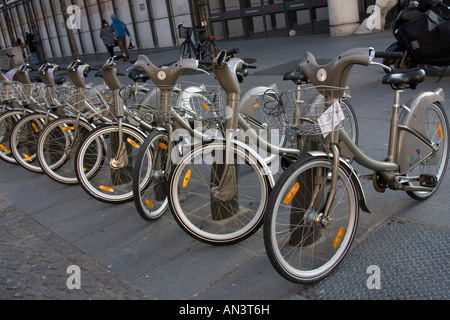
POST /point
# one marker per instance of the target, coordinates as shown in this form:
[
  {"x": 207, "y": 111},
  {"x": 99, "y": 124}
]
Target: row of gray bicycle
[{"x": 209, "y": 153}]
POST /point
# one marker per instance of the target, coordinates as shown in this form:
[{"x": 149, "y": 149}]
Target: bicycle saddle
[
  {"x": 138, "y": 75},
  {"x": 296, "y": 76},
  {"x": 399, "y": 77}
]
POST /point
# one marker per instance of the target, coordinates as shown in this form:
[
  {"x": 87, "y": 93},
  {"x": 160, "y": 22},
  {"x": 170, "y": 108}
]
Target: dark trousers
[{"x": 110, "y": 50}]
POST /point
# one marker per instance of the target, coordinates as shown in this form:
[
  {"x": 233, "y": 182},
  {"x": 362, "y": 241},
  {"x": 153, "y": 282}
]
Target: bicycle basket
[
  {"x": 148, "y": 106},
  {"x": 311, "y": 110},
  {"x": 184, "y": 32},
  {"x": 202, "y": 103},
  {"x": 93, "y": 105}
]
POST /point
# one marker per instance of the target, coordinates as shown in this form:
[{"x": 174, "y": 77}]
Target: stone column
[{"x": 343, "y": 16}]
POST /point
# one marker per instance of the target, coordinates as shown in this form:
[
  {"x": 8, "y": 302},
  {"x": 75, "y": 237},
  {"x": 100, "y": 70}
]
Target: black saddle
[
  {"x": 398, "y": 78},
  {"x": 296, "y": 76},
  {"x": 138, "y": 75}
]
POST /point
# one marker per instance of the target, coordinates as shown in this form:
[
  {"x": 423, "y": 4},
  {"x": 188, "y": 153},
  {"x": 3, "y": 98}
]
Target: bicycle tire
[
  {"x": 437, "y": 130},
  {"x": 57, "y": 145},
  {"x": 24, "y": 139},
  {"x": 7, "y": 122},
  {"x": 185, "y": 51},
  {"x": 100, "y": 174},
  {"x": 149, "y": 177},
  {"x": 206, "y": 218},
  {"x": 207, "y": 54},
  {"x": 299, "y": 247}
]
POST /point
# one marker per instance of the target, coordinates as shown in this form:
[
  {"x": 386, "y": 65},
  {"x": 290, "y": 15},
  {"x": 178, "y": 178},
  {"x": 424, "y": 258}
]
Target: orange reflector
[
  {"x": 439, "y": 127},
  {"x": 149, "y": 203},
  {"x": 27, "y": 157},
  {"x": 255, "y": 106},
  {"x": 205, "y": 105},
  {"x": 68, "y": 128},
  {"x": 35, "y": 128},
  {"x": 162, "y": 145},
  {"x": 3, "y": 148},
  {"x": 187, "y": 176},
  {"x": 107, "y": 189},
  {"x": 291, "y": 193},
  {"x": 338, "y": 237},
  {"x": 133, "y": 143}
]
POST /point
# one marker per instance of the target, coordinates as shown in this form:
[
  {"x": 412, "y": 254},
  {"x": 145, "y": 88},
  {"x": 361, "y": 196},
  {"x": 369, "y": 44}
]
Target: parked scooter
[{"x": 422, "y": 30}]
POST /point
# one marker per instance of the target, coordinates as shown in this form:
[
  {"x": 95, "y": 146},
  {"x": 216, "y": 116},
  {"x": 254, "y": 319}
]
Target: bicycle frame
[{"x": 405, "y": 131}]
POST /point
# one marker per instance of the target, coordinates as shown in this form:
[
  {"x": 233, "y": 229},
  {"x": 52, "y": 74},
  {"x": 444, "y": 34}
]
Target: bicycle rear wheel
[
  {"x": 437, "y": 130},
  {"x": 216, "y": 216},
  {"x": 300, "y": 247},
  {"x": 105, "y": 170}
]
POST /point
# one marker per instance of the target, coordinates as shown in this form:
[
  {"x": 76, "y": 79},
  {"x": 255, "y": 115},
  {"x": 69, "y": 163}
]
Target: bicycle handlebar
[{"x": 164, "y": 77}]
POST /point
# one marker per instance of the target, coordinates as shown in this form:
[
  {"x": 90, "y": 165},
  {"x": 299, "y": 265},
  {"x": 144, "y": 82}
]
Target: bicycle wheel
[
  {"x": 7, "y": 122},
  {"x": 299, "y": 246},
  {"x": 24, "y": 139},
  {"x": 350, "y": 122},
  {"x": 216, "y": 215},
  {"x": 104, "y": 162},
  {"x": 185, "y": 51},
  {"x": 436, "y": 128},
  {"x": 149, "y": 179},
  {"x": 207, "y": 53},
  {"x": 57, "y": 145}
]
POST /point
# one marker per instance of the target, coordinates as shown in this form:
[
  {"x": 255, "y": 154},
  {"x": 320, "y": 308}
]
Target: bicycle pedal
[{"x": 428, "y": 180}]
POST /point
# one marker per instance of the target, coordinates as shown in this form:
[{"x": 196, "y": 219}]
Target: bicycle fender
[
  {"x": 410, "y": 148},
  {"x": 267, "y": 171},
  {"x": 124, "y": 125},
  {"x": 361, "y": 196}
]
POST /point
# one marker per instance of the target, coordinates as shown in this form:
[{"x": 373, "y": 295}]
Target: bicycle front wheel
[
  {"x": 57, "y": 145},
  {"x": 301, "y": 245},
  {"x": 7, "y": 122},
  {"x": 24, "y": 139},
  {"x": 185, "y": 51},
  {"x": 104, "y": 163},
  {"x": 149, "y": 180},
  {"x": 207, "y": 53},
  {"x": 216, "y": 202}
]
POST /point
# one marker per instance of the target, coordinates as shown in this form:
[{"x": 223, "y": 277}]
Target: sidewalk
[{"x": 46, "y": 227}]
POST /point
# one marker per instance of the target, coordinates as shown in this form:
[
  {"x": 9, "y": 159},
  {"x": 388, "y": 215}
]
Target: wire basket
[
  {"x": 310, "y": 111},
  {"x": 184, "y": 32},
  {"x": 92, "y": 104},
  {"x": 146, "y": 104},
  {"x": 202, "y": 103}
]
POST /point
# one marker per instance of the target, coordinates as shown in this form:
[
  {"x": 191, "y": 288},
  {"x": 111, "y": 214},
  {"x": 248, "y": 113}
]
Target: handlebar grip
[
  {"x": 232, "y": 52},
  {"x": 385, "y": 54},
  {"x": 249, "y": 66},
  {"x": 118, "y": 57}
]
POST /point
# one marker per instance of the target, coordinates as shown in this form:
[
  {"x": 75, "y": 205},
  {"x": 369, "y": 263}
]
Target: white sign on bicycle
[{"x": 329, "y": 120}]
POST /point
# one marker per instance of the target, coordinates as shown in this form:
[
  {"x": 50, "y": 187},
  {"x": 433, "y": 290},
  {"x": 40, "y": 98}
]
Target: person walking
[
  {"x": 121, "y": 31},
  {"x": 107, "y": 35},
  {"x": 29, "y": 37}
]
